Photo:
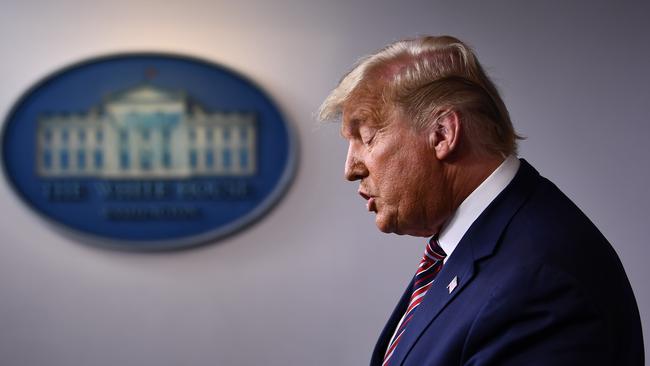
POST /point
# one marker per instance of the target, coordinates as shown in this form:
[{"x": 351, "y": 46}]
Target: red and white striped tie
[{"x": 429, "y": 267}]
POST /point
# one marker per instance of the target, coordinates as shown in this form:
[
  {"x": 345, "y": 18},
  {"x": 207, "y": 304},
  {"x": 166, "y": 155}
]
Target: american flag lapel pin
[{"x": 452, "y": 285}]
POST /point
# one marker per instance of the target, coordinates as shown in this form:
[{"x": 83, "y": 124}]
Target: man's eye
[
  {"x": 367, "y": 139},
  {"x": 367, "y": 135}
]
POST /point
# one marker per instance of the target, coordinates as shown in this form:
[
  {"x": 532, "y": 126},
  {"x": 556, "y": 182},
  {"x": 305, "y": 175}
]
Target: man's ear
[{"x": 444, "y": 135}]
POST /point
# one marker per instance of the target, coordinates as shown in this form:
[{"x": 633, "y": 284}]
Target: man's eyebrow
[
  {"x": 349, "y": 124},
  {"x": 355, "y": 119},
  {"x": 346, "y": 130},
  {"x": 358, "y": 118}
]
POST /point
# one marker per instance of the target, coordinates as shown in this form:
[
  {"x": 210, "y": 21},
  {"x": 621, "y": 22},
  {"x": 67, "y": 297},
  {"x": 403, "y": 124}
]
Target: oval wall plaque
[{"x": 148, "y": 151}]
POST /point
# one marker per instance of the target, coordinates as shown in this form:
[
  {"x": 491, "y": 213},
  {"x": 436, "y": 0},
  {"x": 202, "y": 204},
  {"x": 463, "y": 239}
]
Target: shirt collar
[{"x": 472, "y": 207}]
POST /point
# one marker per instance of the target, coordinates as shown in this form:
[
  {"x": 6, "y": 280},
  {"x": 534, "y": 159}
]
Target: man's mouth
[{"x": 370, "y": 204}]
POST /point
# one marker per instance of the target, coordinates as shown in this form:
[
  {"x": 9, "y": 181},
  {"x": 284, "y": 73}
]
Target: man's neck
[
  {"x": 475, "y": 203},
  {"x": 467, "y": 174}
]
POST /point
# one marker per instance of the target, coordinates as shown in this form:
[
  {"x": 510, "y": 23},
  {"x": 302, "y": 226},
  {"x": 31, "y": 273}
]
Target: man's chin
[
  {"x": 388, "y": 226},
  {"x": 385, "y": 225}
]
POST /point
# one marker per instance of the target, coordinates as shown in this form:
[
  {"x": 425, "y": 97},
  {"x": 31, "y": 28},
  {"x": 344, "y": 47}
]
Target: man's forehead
[
  {"x": 364, "y": 102},
  {"x": 359, "y": 109}
]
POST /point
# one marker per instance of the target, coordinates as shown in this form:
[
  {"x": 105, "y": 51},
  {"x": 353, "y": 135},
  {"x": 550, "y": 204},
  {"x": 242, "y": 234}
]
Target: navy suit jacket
[{"x": 537, "y": 284}]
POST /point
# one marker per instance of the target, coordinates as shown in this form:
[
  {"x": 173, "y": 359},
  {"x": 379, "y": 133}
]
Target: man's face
[{"x": 399, "y": 174}]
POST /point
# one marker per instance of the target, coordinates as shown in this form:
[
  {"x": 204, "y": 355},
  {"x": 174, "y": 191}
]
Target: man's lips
[{"x": 370, "y": 205}]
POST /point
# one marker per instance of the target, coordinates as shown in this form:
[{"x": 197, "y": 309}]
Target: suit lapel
[
  {"x": 478, "y": 242},
  {"x": 437, "y": 297}
]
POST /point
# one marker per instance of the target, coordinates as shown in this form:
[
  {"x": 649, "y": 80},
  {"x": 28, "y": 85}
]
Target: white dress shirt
[{"x": 475, "y": 204}]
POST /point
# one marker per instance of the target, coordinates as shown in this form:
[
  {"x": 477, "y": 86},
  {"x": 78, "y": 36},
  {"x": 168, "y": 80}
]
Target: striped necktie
[{"x": 429, "y": 267}]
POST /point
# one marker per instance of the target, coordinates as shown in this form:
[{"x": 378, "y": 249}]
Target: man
[{"x": 514, "y": 273}]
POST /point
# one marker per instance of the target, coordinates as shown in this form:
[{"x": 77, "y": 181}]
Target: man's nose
[{"x": 355, "y": 168}]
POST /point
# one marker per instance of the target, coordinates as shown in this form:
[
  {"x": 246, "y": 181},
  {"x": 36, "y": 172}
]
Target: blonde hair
[{"x": 424, "y": 78}]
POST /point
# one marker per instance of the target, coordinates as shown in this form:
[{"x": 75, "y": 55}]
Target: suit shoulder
[{"x": 550, "y": 224}]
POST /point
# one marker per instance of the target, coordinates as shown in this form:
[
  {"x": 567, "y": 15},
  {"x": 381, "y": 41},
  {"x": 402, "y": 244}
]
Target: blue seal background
[{"x": 78, "y": 88}]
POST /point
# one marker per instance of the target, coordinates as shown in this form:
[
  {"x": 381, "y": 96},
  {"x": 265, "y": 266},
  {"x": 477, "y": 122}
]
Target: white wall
[{"x": 288, "y": 291}]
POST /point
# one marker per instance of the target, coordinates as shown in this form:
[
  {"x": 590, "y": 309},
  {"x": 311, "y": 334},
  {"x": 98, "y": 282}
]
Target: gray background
[{"x": 313, "y": 283}]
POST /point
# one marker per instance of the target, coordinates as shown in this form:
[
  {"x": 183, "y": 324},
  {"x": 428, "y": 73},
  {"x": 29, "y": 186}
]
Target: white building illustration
[{"x": 147, "y": 132}]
